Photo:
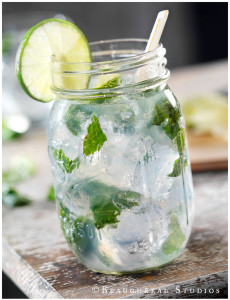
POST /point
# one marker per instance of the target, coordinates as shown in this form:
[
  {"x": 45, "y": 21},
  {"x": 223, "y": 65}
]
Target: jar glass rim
[
  {"x": 126, "y": 59},
  {"x": 136, "y": 59}
]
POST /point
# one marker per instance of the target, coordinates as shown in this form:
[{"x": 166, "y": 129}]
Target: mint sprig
[
  {"x": 95, "y": 138},
  {"x": 167, "y": 117},
  {"x": 178, "y": 166},
  {"x": 12, "y": 198},
  {"x": 64, "y": 162}
]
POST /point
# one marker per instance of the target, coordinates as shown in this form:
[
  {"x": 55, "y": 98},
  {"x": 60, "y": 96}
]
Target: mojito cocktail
[{"x": 119, "y": 156}]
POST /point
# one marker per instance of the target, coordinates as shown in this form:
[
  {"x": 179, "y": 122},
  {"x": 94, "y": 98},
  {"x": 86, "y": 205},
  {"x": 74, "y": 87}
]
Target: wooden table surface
[{"x": 37, "y": 258}]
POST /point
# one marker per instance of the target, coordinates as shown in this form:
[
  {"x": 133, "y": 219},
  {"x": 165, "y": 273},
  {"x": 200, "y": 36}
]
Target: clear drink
[{"x": 120, "y": 165}]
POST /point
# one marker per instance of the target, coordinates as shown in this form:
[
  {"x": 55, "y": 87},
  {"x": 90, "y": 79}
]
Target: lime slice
[
  {"x": 51, "y": 37},
  {"x": 207, "y": 114}
]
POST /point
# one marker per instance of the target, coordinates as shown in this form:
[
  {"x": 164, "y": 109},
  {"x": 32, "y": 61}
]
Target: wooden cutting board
[{"x": 208, "y": 153}]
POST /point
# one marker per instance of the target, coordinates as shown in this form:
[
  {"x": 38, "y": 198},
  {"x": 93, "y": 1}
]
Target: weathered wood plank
[{"x": 23, "y": 275}]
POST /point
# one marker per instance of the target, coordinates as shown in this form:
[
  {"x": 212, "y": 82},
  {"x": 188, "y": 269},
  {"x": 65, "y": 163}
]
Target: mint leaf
[
  {"x": 103, "y": 84},
  {"x": 11, "y": 197},
  {"x": 51, "y": 194},
  {"x": 101, "y": 97},
  {"x": 180, "y": 139},
  {"x": 105, "y": 212},
  {"x": 107, "y": 202},
  {"x": 179, "y": 164},
  {"x": 112, "y": 83},
  {"x": 159, "y": 115},
  {"x": 64, "y": 162},
  {"x": 165, "y": 110},
  {"x": 63, "y": 211},
  {"x": 75, "y": 116},
  {"x": 171, "y": 129},
  {"x": 95, "y": 138},
  {"x": 175, "y": 238},
  {"x": 167, "y": 116}
]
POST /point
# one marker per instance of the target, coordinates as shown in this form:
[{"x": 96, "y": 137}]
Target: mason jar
[{"x": 119, "y": 156}]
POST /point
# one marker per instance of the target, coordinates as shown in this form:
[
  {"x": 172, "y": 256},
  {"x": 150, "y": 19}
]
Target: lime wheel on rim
[{"x": 51, "y": 37}]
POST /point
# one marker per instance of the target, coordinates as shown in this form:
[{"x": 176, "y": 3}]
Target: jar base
[{"x": 136, "y": 271}]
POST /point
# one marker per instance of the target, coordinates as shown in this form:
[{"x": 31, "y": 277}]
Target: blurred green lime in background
[{"x": 207, "y": 115}]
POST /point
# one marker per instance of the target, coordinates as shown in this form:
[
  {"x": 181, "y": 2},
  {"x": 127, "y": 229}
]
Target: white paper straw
[
  {"x": 157, "y": 30},
  {"x": 155, "y": 36}
]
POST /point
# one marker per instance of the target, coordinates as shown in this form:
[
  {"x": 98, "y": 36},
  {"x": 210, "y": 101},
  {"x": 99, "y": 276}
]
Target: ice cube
[{"x": 142, "y": 228}]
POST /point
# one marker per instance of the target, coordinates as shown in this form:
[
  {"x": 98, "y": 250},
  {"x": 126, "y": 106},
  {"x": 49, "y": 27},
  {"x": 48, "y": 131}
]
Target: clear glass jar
[{"x": 120, "y": 160}]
